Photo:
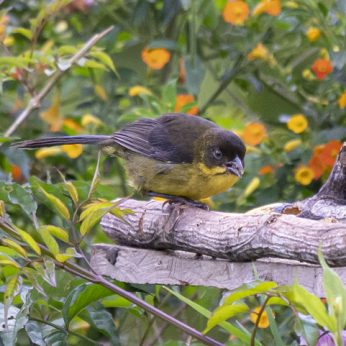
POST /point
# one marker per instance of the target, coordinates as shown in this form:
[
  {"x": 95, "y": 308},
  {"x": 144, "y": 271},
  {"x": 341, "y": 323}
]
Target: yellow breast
[{"x": 193, "y": 181}]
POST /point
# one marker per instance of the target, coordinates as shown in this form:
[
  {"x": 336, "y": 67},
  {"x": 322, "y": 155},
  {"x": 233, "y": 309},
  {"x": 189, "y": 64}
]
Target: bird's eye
[{"x": 217, "y": 154}]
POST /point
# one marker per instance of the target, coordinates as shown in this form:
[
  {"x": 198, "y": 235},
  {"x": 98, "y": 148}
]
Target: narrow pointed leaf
[
  {"x": 56, "y": 232},
  {"x": 15, "y": 246},
  {"x": 29, "y": 240},
  {"x": 58, "y": 205},
  {"x": 224, "y": 313}
]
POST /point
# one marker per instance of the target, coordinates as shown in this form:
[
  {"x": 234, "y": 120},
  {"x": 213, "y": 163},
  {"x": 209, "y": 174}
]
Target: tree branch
[{"x": 35, "y": 101}]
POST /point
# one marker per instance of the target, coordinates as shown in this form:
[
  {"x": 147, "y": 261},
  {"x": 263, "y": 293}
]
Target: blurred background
[{"x": 272, "y": 71}]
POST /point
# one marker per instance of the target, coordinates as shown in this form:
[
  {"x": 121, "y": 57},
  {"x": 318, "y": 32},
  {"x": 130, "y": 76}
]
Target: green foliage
[{"x": 52, "y": 201}]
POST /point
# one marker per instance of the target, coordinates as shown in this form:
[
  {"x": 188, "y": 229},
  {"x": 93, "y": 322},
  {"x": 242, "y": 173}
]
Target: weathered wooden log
[{"x": 236, "y": 237}]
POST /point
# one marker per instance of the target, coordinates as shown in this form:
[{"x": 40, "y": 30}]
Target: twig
[
  {"x": 226, "y": 80},
  {"x": 35, "y": 101},
  {"x": 253, "y": 335}
]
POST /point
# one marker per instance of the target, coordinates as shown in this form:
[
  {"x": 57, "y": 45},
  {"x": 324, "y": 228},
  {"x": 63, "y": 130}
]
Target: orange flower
[
  {"x": 271, "y": 7},
  {"x": 323, "y": 157},
  {"x": 342, "y": 100},
  {"x": 268, "y": 169},
  {"x": 317, "y": 166},
  {"x": 259, "y": 52},
  {"x": 182, "y": 101},
  {"x": 263, "y": 319},
  {"x": 155, "y": 58},
  {"x": 254, "y": 133},
  {"x": 329, "y": 152},
  {"x": 235, "y": 12},
  {"x": 17, "y": 174},
  {"x": 313, "y": 34},
  {"x": 304, "y": 175},
  {"x": 322, "y": 68}
]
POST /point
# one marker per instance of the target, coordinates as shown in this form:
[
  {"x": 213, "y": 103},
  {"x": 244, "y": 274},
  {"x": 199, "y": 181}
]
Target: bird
[{"x": 176, "y": 156}]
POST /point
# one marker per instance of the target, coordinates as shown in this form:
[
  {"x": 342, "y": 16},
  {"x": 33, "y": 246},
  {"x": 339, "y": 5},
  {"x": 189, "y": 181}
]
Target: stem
[
  {"x": 63, "y": 330},
  {"x": 96, "y": 175},
  {"x": 35, "y": 101},
  {"x": 226, "y": 80},
  {"x": 253, "y": 335}
]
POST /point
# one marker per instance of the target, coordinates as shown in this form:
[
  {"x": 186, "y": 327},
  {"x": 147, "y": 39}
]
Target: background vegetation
[{"x": 272, "y": 71}]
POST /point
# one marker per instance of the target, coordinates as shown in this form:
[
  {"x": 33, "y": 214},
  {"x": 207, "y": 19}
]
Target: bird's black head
[{"x": 221, "y": 148}]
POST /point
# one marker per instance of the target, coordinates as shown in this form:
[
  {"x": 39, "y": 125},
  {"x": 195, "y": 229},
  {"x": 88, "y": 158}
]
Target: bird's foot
[{"x": 180, "y": 201}]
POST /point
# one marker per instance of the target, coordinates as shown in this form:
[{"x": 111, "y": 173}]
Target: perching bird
[{"x": 173, "y": 156}]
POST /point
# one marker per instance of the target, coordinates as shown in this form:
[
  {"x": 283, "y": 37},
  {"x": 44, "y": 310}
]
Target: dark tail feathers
[{"x": 53, "y": 141}]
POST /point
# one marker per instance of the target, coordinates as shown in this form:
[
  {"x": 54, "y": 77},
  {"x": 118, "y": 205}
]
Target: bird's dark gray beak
[{"x": 235, "y": 167}]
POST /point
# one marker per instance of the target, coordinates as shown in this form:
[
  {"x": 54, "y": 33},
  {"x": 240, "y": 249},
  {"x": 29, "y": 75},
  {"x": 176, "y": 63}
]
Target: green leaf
[
  {"x": 104, "y": 58},
  {"x": 14, "y": 61},
  {"x": 335, "y": 292},
  {"x": 22, "y": 31},
  {"x": 29, "y": 240},
  {"x": 116, "y": 301},
  {"x": 18, "y": 195},
  {"x": 72, "y": 191},
  {"x": 49, "y": 240},
  {"x": 224, "y": 313},
  {"x": 15, "y": 246},
  {"x": 67, "y": 50},
  {"x": 82, "y": 296},
  {"x": 297, "y": 294},
  {"x": 95, "y": 211},
  {"x": 56, "y": 232},
  {"x": 46, "y": 271},
  {"x": 58, "y": 205},
  {"x": 6, "y": 260},
  {"x": 33, "y": 278},
  {"x": 12, "y": 287},
  {"x": 260, "y": 288},
  {"x": 102, "y": 320},
  {"x": 241, "y": 335},
  {"x": 277, "y": 301},
  {"x": 91, "y": 64},
  {"x": 35, "y": 333},
  {"x": 69, "y": 253}
]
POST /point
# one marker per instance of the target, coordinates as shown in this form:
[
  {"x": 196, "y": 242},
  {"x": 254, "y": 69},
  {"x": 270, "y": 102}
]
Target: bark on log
[
  {"x": 236, "y": 237},
  {"x": 320, "y": 224}
]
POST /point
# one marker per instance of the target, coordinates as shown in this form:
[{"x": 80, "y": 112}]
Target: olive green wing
[{"x": 169, "y": 138}]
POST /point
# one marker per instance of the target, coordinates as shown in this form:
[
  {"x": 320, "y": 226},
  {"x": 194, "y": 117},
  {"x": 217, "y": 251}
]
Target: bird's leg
[{"x": 171, "y": 199}]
